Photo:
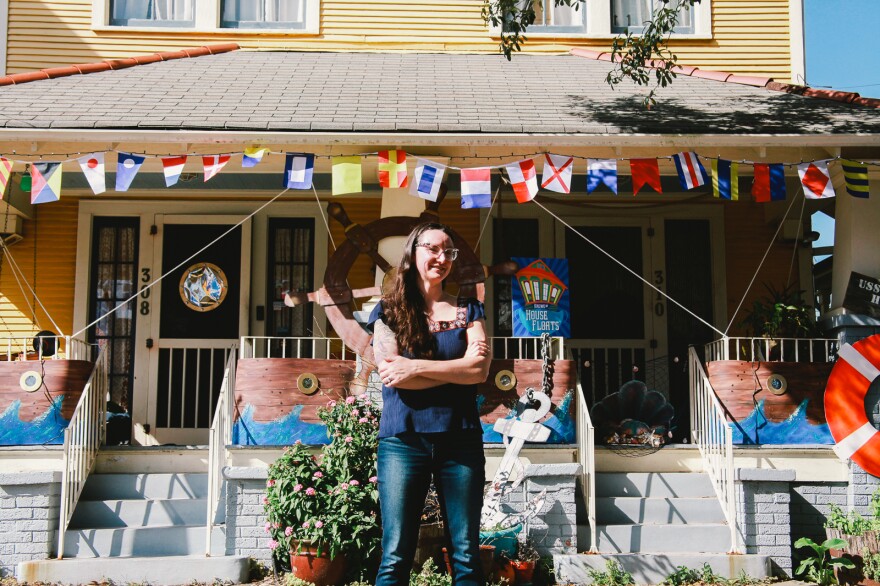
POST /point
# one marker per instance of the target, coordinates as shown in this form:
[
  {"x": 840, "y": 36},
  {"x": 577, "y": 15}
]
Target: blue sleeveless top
[{"x": 446, "y": 407}]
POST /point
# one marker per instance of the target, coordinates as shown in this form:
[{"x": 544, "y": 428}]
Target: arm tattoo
[{"x": 384, "y": 341}]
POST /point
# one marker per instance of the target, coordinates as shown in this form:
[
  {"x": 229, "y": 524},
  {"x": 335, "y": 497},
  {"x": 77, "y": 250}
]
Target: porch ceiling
[{"x": 415, "y": 94}]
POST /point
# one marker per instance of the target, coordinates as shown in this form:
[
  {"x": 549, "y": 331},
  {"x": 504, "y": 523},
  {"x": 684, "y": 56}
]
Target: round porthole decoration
[
  {"x": 307, "y": 383},
  {"x": 30, "y": 381},
  {"x": 777, "y": 384},
  {"x": 203, "y": 286},
  {"x": 505, "y": 380}
]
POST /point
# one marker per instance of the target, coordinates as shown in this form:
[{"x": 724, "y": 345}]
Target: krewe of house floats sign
[{"x": 540, "y": 298}]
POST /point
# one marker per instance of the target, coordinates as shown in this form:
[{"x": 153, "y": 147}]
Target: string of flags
[{"x": 557, "y": 175}]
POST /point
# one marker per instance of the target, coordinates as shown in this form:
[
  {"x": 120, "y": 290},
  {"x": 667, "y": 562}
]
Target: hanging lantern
[{"x": 26, "y": 179}]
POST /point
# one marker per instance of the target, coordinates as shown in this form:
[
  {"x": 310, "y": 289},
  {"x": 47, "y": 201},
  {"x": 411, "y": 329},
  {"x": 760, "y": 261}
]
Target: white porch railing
[
  {"x": 714, "y": 437},
  {"x": 303, "y": 347},
  {"x": 82, "y": 440},
  {"x": 773, "y": 350},
  {"x": 586, "y": 442},
  {"x": 219, "y": 437},
  {"x": 46, "y": 347}
]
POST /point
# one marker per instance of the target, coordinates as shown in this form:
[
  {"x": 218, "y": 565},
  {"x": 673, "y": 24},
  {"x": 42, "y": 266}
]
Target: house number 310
[
  {"x": 145, "y": 291},
  {"x": 659, "y": 308}
]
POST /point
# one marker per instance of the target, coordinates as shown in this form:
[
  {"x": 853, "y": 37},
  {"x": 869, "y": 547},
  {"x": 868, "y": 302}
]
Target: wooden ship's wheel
[{"x": 337, "y": 297}]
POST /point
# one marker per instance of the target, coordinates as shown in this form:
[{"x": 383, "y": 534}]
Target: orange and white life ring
[{"x": 858, "y": 366}]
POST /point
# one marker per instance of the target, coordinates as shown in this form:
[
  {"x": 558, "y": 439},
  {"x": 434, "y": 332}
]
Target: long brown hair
[{"x": 404, "y": 304}]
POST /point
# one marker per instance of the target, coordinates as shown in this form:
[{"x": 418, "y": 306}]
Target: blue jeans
[{"x": 406, "y": 463}]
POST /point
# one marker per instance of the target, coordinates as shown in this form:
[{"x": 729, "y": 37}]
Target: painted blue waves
[
  {"x": 559, "y": 421},
  {"x": 756, "y": 429},
  {"x": 46, "y": 429},
  {"x": 280, "y": 432}
]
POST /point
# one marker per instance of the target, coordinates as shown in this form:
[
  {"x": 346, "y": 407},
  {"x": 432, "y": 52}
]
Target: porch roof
[{"x": 299, "y": 92}]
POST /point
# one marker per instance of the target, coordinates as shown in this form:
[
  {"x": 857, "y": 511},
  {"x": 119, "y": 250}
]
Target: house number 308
[
  {"x": 145, "y": 291},
  {"x": 659, "y": 307}
]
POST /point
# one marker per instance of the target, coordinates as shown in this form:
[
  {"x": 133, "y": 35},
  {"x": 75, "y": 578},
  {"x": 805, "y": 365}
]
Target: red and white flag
[
  {"x": 523, "y": 179},
  {"x": 213, "y": 164},
  {"x": 93, "y": 168},
  {"x": 816, "y": 180},
  {"x": 557, "y": 173},
  {"x": 172, "y": 167}
]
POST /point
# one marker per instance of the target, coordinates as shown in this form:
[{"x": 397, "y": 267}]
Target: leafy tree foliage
[{"x": 644, "y": 57}]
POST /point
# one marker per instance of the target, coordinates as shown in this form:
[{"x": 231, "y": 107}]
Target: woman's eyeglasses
[{"x": 449, "y": 253}]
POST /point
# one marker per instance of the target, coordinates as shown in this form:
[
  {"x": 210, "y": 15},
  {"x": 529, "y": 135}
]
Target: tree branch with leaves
[{"x": 643, "y": 57}]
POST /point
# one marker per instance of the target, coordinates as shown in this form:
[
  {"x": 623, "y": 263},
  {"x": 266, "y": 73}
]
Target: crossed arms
[{"x": 418, "y": 374}]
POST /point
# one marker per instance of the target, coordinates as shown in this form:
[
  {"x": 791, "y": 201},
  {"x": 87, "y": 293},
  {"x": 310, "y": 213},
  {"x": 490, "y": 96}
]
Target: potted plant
[
  {"x": 524, "y": 561},
  {"x": 323, "y": 511},
  {"x": 861, "y": 536}
]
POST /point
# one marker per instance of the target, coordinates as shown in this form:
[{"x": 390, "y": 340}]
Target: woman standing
[{"x": 431, "y": 351}]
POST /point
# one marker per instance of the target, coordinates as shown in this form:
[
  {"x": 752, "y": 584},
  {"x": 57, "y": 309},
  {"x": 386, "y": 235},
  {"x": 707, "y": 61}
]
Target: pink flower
[
  {"x": 265, "y": 500},
  {"x": 348, "y": 439},
  {"x": 374, "y": 479},
  {"x": 298, "y": 442},
  {"x": 306, "y": 525},
  {"x": 355, "y": 413},
  {"x": 288, "y": 531},
  {"x": 318, "y": 474},
  {"x": 268, "y": 526},
  {"x": 310, "y": 491},
  {"x": 354, "y": 482},
  {"x": 277, "y": 525},
  {"x": 363, "y": 420},
  {"x": 368, "y": 403},
  {"x": 331, "y": 404},
  {"x": 273, "y": 544},
  {"x": 319, "y": 524},
  {"x": 350, "y": 400},
  {"x": 344, "y": 486},
  {"x": 297, "y": 488},
  {"x": 270, "y": 483}
]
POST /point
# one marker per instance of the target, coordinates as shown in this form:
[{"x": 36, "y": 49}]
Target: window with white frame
[
  {"x": 550, "y": 18},
  {"x": 294, "y": 16},
  {"x": 630, "y": 16},
  {"x": 263, "y": 14},
  {"x": 605, "y": 19},
  {"x": 173, "y": 13}
]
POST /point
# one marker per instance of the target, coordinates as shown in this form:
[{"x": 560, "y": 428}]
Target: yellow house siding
[
  {"x": 49, "y": 268},
  {"x": 749, "y": 37}
]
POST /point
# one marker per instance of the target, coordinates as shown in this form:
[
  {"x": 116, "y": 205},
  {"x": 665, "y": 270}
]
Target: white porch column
[
  {"x": 396, "y": 202},
  {"x": 856, "y": 237}
]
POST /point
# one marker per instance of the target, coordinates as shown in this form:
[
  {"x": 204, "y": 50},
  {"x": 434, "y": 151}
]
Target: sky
[{"x": 842, "y": 43}]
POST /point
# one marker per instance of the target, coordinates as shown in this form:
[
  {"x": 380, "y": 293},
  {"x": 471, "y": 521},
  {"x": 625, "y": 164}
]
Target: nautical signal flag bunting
[
  {"x": 816, "y": 180},
  {"x": 45, "y": 182},
  {"x": 93, "y": 168}
]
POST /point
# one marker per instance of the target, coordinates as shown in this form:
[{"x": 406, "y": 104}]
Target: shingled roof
[{"x": 361, "y": 92}]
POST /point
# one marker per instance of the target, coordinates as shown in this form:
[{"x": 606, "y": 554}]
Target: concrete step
[
  {"x": 657, "y": 538},
  {"x": 622, "y": 510},
  {"x": 653, "y": 568},
  {"x": 654, "y": 484},
  {"x": 101, "y": 487},
  {"x": 175, "y": 540},
  {"x": 157, "y": 571},
  {"x": 138, "y": 513}
]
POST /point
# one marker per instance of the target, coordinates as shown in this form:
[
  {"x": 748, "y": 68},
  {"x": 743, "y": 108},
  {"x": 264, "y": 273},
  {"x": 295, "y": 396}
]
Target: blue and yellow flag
[
  {"x": 725, "y": 179},
  {"x": 45, "y": 182},
  {"x": 856, "y": 176}
]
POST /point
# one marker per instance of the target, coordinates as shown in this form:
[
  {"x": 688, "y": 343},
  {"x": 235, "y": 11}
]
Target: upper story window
[
  {"x": 605, "y": 19},
  {"x": 179, "y": 13},
  {"x": 550, "y": 18},
  {"x": 629, "y": 16},
  {"x": 263, "y": 14},
  {"x": 289, "y": 16}
]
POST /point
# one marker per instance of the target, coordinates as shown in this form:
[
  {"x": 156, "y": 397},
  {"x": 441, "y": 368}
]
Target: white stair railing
[
  {"x": 586, "y": 442},
  {"x": 82, "y": 439},
  {"x": 714, "y": 437},
  {"x": 219, "y": 437}
]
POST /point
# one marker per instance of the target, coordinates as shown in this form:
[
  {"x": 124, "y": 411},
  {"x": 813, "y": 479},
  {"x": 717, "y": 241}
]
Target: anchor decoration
[{"x": 516, "y": 431}]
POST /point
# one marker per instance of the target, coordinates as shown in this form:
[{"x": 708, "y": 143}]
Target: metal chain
[{"x": 547, "y": 381}]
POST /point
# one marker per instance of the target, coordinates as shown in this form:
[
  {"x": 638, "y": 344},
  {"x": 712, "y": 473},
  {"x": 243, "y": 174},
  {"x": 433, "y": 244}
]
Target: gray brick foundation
[
  {"x": 764, "y": 514},
  {"x": 29, "y": 511},
  {"x": 245, "y": 517}
]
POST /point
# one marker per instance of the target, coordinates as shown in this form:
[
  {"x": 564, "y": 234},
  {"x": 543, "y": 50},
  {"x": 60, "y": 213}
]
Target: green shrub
[{"x": 613, "y": 575}]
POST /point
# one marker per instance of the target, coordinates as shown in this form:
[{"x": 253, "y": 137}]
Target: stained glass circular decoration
[{"x": 203, "y": 286}]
